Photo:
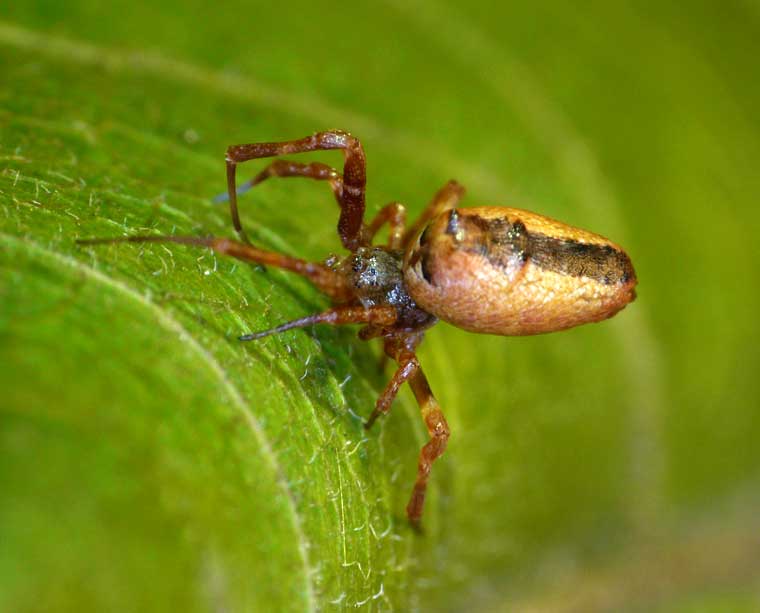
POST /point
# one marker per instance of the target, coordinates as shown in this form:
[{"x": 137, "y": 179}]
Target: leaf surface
[{"x": 153, "y": 462}]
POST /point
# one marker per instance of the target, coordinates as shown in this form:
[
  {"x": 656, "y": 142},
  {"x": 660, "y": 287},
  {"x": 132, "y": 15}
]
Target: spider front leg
[
  {"x": 284, "y": 169},
  {"x": 337, "y": 316},
  {"x": 351, "y": 197},
  {"x": 322, "y": 277}
]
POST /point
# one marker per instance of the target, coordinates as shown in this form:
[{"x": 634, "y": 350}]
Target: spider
[{"x": 491, "y": 270}]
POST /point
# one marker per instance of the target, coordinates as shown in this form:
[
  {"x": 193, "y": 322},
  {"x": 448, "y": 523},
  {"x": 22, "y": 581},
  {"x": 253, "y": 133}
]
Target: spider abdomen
[{"x": 507, "y": 271}]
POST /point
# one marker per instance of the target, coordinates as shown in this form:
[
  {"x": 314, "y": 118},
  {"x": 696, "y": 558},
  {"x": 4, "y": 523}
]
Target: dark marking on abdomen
[
  {"x": 602, "y": 263},
  {"x": 502, "y": 242}
]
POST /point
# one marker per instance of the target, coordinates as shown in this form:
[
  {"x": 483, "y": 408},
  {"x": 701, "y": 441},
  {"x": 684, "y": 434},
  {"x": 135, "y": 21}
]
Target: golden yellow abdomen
[{"x": 507, "y": 271}]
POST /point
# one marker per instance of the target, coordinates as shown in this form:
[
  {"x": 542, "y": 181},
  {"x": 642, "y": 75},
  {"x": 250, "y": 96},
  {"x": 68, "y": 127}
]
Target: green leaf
[{"x": 151, "y": 461}]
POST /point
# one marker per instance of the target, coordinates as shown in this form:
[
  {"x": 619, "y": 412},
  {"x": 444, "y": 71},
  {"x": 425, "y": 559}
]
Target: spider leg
[
  {"x": 351, "y": 198},
  {"x": 337, "y": 316},
  {"x": 286, "y": 168},
  {"x": 446, "y": 198},
  {"x": 394, "y": 214},
  {"x": 324, "y": 278},
  {"x": 408, "y": 366},
  {"x": 401, "y": 348},
  {"x": 432, "y": 450}
]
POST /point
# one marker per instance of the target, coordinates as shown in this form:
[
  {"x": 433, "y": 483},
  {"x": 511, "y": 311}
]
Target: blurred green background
[{"x": 149, "y": 461}]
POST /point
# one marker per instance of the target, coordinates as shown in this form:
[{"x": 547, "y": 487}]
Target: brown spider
[{"x": 491, "y": 270}]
